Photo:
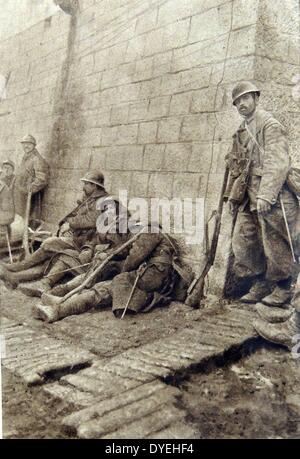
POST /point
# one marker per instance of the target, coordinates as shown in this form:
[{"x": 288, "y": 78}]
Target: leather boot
[
  {"x": 77, "y": 304},
  {"x": 37, "y": 289},
  {"x": 259, "y": 290},
  {"x": 278, "y": 297},
  {"x": 12, "y": 280},
  {"x": 286, "y": 334},
  {"x": 36, "y": 258}
]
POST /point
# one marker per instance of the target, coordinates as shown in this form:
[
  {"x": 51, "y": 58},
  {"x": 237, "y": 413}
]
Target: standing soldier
[
  {"x": 32, "y": 177},
  {"x": 259, "y": 164},
  {"x": 8, "y": 173},
  {"x": 7, "y": 206}
]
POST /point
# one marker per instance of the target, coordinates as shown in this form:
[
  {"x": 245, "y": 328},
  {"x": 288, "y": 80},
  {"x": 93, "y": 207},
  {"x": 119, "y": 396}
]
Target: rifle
[
  {"x": 91, "y": 277},
  {"x": 195, "y": 291}
]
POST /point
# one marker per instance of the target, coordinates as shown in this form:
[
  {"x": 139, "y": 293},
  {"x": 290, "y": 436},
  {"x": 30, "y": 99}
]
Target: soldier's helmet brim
[
  {"x": 95, "y": 182},
  {"x": 246, "y": 92},
  {"x": 28, "y": 139}
]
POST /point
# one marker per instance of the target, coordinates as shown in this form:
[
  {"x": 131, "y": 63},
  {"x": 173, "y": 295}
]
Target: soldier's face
[
  {"x": 27, "y": 147},
  {"x": 89, "y": 188},
  {"x": 246, "y": 104},
  {"x": 8, "y": 170}
]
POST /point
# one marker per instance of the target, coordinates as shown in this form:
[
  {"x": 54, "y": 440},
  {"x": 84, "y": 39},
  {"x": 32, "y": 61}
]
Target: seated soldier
[
  {"x": 72, "y": 248},
  {"x": 150, "y": 277}
]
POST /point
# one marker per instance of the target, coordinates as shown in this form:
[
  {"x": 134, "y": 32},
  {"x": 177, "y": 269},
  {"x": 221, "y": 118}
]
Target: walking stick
[
  {"x": 287, "y": 229},
  {"x": 26, "y": 224},
  {"x": 130, "y": 296},
  {"x": 140, "y": 272},
  {"x": 8, "y": 245}
]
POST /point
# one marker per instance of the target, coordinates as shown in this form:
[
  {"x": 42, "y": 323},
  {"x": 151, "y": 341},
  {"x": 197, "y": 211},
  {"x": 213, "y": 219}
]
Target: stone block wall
[{"x": 142, "y": 90}]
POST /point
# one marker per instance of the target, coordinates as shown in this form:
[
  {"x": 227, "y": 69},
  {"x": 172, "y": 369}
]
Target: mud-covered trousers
[{"x": 260, "y": 243}]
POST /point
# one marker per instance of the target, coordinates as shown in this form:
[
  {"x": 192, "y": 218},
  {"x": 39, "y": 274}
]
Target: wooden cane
[
  {"x": 26, "y": 225},
  {"x": 8, "y": 246}
]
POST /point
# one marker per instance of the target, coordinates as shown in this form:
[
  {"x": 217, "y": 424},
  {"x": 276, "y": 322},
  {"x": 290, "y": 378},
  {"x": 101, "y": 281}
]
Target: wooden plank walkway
[
  {"x": 131, "y": 400},
  {"x": 33, "y": 355},
  {"x": 125, "y": 396}
]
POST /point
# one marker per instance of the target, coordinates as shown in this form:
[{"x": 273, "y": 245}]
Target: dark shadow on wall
[{"x": 68, "y": 122}]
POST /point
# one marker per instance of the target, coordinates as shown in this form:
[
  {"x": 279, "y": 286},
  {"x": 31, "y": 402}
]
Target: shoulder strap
[{"x": 254, "y": 139}]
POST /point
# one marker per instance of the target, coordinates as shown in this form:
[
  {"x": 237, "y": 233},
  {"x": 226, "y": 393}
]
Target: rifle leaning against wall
[{"x": 195, "y": 291}]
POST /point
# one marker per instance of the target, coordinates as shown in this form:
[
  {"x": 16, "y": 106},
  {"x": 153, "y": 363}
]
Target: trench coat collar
[{"x": 258, "y": 121}]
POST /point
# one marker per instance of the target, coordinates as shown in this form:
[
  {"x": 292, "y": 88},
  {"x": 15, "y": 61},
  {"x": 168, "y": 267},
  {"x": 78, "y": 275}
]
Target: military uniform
[
  {"x": 71, "y": 248},
  {"x": 33, "y": 175},
  {"x": 7, "y": 209},
  {"x": 150, "y": 275},
  {"x": 259, "y": 164},
  {"x": 260, "y": 244}
]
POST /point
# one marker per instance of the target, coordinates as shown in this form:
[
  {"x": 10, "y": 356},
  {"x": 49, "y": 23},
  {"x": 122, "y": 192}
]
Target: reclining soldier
[
  {"x": 72, "y": 249},
  {"x": 150, "y": 277},
  {"x": 259, "y": 164}
]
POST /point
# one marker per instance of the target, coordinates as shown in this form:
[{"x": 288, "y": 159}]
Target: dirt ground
[
  {"x": 255, "y": 397},
  {"x": 27, "y": 413}
]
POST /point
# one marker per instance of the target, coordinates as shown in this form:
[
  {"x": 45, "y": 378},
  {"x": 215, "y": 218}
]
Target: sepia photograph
[{"x": 150, "y": 221}]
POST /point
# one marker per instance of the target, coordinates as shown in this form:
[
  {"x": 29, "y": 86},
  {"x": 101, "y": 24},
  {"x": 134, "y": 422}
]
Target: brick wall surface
[{"x": 142, "y": 90}]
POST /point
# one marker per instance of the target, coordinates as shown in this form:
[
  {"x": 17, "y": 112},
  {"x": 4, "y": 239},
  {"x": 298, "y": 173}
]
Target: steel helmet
[
  {"x": 7, "y": 162},
  {"x": 244, "y": 87},
  {"x": 95, "y": 177},
  {"x": 28, "y": 139}
]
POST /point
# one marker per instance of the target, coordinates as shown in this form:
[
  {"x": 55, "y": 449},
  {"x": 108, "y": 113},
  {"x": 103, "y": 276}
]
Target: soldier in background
[
  {"x": 8, "y": 173},
  {"x": 32, "y": 177},
  {"x": 259, "y": 164},
  {"x": 70, "y": 249},
  {"x": 7, "y": 208}
]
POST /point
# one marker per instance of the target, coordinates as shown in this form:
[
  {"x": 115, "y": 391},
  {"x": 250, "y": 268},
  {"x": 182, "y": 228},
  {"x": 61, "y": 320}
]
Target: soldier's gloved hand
[
  {"x": 263, "y": 207},
  {"x": 65, "y": 228},
  {"x": 100, "y": 256}
]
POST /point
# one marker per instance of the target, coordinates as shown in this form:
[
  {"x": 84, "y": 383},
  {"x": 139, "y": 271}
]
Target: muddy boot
[
  {"x": 274, "y": 315},
  {"x": 278, "y": 297},
  {"x": 36, "y": 258},
  {"x": 77, "y": 304},
  {"x": 12, "y": 280},
  {"x": 37, "y": 289},
  {"x": 259, "y": 290},
  {"x": 285, "y": 333}
]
